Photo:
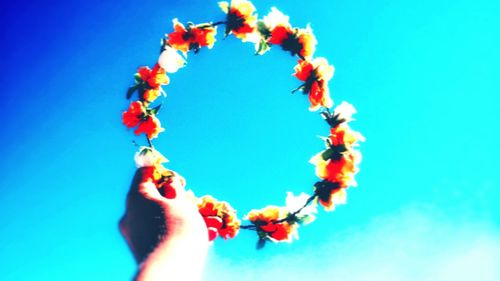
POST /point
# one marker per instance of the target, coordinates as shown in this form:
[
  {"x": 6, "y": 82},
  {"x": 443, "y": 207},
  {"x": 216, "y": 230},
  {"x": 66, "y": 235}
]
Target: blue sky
[{"x": 423, "y": 76}]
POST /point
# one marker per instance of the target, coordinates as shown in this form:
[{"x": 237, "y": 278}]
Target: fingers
[
  {"x": 213, "y": 223},
  {"x": 144, "y": 185},
  {"x": 174, "y": 186},
  {"x": 149, "y": 190},
  {"x": 141, "y": 175}
]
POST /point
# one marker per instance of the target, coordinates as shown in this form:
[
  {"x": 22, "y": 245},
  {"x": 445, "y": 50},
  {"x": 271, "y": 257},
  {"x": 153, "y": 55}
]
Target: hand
[{"x": 163, "y": 233}]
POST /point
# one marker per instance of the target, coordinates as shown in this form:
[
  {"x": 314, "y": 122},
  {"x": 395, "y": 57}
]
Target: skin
[{"x": 167, "y": 237}]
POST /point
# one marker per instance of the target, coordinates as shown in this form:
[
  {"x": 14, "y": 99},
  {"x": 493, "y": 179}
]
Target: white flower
[
  {"x": 294, "y": 203},
  {"x": 345, "y": 111},
  {"x": 275, "y": 18},
  {"x": 148, "y": 157},
  {"x": 171, "y": 60}
]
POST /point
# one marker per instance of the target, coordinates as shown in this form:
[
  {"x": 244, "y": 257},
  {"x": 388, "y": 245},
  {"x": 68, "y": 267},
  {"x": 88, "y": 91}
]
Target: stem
[
  {"x": 218, "y": 23},
  {"x": 149, "y": 142},
  {"x": 249, "y": 227},
  {"x": 309, "y": 200},
  {"x": 298, "y": 211}
]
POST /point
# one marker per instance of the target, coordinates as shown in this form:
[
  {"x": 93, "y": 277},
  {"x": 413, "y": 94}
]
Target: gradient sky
[{"x": 423, "y": 76}]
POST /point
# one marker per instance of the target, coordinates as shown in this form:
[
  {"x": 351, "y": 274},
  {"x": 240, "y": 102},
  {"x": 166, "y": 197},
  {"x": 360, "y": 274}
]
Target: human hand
[{"x": 163, "y": 229}]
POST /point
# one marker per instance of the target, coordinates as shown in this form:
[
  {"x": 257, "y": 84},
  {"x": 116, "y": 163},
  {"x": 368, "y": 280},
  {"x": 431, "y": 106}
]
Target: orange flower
[
  {"x": 219, "y": 217},
  {"x": 154, "y": 78},
  {"x": 297, "y": 41},
  {"x": 150, "y": 126},
  {"x": 240, "y": 20},
  {"x": 315, "y": 75},
  {"x": 343, "y": 135},
  {"x": 191, "y": 38},
  {"x": 307, "y": 42},
  {"x": 338, "y": 166},
  {"x": 134, "y": 114},
  {"x": 266, "y": 221}
]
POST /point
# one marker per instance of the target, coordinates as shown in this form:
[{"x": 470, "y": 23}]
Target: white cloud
[{"x": 417, "y": 244}]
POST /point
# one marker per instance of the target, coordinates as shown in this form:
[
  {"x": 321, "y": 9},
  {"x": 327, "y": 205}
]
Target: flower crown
[{"x": 336, "y": 165}]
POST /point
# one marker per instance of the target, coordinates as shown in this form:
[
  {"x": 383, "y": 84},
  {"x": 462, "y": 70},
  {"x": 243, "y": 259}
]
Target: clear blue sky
[{"x": 423, "y": 76}]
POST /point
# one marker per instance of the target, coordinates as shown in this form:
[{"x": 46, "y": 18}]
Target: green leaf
[
  {"x": 306, "y": 219},
  {"x": 131, "y": 91},
  {"x": 263, "y": 30},
  {"x": 327, "y": 154},
  {"x": 155, "y": 109},
  {"x": 137, "y": 78},
  {"x": 261, "y": 243},
  {"x": 263, "y": 47},
  {"x": 300, "y": 88}
]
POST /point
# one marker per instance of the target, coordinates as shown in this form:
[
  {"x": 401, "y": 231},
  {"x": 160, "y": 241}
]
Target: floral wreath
[{"x": 336, "y": 165}]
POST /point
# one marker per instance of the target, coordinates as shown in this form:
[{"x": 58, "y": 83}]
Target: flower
[
  {"x": 171, "y": 183},
  {"x": 295, "y": 203},
  {"x": 276, "y": 18},
  {"x": 134, "y": 114},
  {"x": 147, "y": 157},
  {"x": 167, "y": 181},
  {"x": 315, "y": 75},
  {"x": 170, "y": 60},
  {"x": 191, "y": 38},
  {"x": 219, "y": 217},
  {"x": 240, "y": 20},
  {"x": 150, "y": 126},
  {"x": 154, "y": 78},
  {"x": 307, "y": 42},
  {"x": 344, "y": 111},
  {"x": 138, "y": 115},
  {"x": 274, "y": 21},
  {"x": 149, "y": 82},
  {"x": 330, "y": 194},
  {"x": 270, "y": 225},
  {"x": 298, "y": 41},
  {"x": 313, "y": 70},
  {"x": 319, "y": 95},
  {"x": 337, "y": 167},
  {"x": 343, "y": 135},
  {"x": 150, "y": 95}
]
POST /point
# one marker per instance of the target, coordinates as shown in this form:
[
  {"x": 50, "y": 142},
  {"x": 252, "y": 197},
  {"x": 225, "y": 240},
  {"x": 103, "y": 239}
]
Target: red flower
[
  {"x": 240, "y": 19},
  {"x": 219, "y": 217},
  {"x": 137, "y": 115},
  {"x": 319, "y": 95},
  {"x": 134, "y": 114},
  {"x": 191, "y": 38},
  {"x": 150, "y": 126},
  {"x": 279, "y": 34}
]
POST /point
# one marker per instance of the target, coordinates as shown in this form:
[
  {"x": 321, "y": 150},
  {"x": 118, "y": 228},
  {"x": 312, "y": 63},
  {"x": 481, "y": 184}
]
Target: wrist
[{"x": 169, "y": 259}]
